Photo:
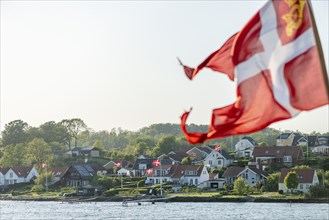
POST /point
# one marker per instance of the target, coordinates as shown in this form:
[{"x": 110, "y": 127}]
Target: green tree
[
  {"x": 141, "y": 148},
  {"x": 14, "y": 156},
  {"x": 54, "y": 132},
  {"x": 38, "y": 151},
  {"x": 262, "y": 144},
  {"x": 186, "y": 161},
  {"x": 15, "y": 132},
  {"x": 167, "y": 144},
  {"x": 73, "y": 127},
  {"x": 291, "y": 180},
  {"x": 240, "y": 186},
  {"x": 272, "y": 182},
  {"x": 41, "y": 179}
]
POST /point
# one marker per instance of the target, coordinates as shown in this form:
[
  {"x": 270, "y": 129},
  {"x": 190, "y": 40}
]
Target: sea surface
[{"x": 114, "y": 210}]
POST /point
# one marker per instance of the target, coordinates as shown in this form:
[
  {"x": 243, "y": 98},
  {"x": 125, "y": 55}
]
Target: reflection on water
[{"x": 110, "y": 210}]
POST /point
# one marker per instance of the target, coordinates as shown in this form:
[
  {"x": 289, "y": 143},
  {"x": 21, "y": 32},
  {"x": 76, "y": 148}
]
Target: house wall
[
  {"x": 2, "y": 179},
  {"x": 241, "y": 146},
  {"x": 94, "y": 153},
  {"x": 216, "y": 160},
  {"x": 304, "y": 187},
  {"x": 33, "y": 173},
  {"x": 11, "y": 178},
  {"x": 250, "y": 177}
]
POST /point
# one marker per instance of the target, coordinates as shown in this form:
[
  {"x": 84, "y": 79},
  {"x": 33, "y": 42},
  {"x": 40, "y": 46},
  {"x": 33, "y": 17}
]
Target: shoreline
[{"x": 175, "y": 199}]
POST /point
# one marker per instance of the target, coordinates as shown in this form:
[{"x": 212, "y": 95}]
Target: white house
[
  {"x": 123, "y": 172},
  {"x": 250, "y": 174},
  {"x": 218, "y": 159},
  {"x": 20, "y": 175},
  {"x": 245, "y": 147},
  {"x": 179, "y": 174},
  {"x": 307, "y": 177},
  {"x": 3, "y": 171}
]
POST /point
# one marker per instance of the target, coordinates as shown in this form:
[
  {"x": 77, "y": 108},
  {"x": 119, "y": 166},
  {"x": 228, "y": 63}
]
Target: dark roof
[
  {"x": 225, "y": 154},
  {"x": 58, "y": 171},
  {"x": 84, "y": 148},
  {"x": 178, "y": 171},
  {"x": 259, "y": 171},
  {"x": 232, "y": 171},
  {"x": 85, "y": 170},
  {"x": 21, "y": 171},
  {"x": 208, "y": 149},
  {"x": 250, "y": 140},
  {"x": 283, "y": 136},
  {"x": 4, "y": 170},
  {"x": 178, "y": 156},
  {"x": 305, "y": 175},
  {"x": 278, "y": 152}
]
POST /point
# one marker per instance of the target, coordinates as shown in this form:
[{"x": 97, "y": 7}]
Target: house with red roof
[
  {"x": 275, "y": 155},
  {"x": 307, "y": 177},
  {"x": 15, "y": 175}
]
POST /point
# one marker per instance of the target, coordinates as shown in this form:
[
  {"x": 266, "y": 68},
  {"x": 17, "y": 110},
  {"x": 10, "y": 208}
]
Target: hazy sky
[{"x": 113, "y": 63}]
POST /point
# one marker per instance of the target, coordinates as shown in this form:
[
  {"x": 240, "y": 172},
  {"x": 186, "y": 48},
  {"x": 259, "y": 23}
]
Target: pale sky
[{"x": 113, "y": 63}]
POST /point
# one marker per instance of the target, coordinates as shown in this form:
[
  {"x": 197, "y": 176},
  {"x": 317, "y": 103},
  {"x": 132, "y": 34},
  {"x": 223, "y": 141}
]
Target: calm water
[{"x": 204, "y": 211}]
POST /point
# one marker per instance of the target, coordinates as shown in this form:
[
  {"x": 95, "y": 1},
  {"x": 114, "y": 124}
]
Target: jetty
[{"x": 151, "y": 200}]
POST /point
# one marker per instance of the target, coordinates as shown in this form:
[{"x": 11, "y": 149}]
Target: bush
[
  {"x": 318, "y": 192},
  {"x": 280, "y": 191},
  {"x": 37, "y": 188}
]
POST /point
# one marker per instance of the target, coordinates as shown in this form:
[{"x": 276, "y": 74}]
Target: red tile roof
[{"x": 305, "y": 175}]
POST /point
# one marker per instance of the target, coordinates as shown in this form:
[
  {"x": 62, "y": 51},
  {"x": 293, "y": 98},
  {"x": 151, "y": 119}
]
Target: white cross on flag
[{"x": 275, "y": 63}]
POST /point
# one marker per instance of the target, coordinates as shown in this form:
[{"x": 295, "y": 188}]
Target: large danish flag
[{"x": 276, "y": 67}]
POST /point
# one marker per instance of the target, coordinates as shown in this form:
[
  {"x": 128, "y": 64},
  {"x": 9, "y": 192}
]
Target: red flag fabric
[
  {"x": 117, "y": 164},
  {"x": 156, "y": 163},
  {"x": 149, "y": 171},
  {"x": 217, "y": 148},
  {"x": 219, "y": 60},
  {"x": 277, "y": 71}
]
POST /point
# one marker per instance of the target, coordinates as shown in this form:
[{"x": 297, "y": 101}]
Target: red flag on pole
[
  {"x": 156, "y": 163},
  {"x": 118, "y": 164},
  {"x": 217, "y": 148},
  {"x": 149, "y": 171},
  {"x": 277, "y": 69}
]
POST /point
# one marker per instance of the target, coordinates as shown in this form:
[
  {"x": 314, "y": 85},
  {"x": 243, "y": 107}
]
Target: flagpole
[
  {"x": 46, "y": 179},
  {"x": 160, "y": 180},
  {"x": 319, "y": 47}
]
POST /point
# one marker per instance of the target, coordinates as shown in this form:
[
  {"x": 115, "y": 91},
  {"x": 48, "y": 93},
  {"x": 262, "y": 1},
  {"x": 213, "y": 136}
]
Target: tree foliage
[
  {"x": 272, "y": 182},
  {"x": 240, "y": 186},
  {"x": 15, "y": 132},
  {"x": 291, "y": 180}
]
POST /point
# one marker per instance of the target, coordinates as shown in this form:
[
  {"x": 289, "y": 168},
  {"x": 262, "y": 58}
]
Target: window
[
  {"x": 219, "y": 162},
  {"x": 191, "y": 181},
  {"x": 196, "y": 181},
  {"x": 157, "y": 181},
  {"x": 287, "y": 159},
  {"x": 11, "y": 175},
  {"x": 307, "y": 186},
  {"x": 210, "y": 162},
  {"x": 246, "y": 176},
  {"x": 301, "y": 186}
]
